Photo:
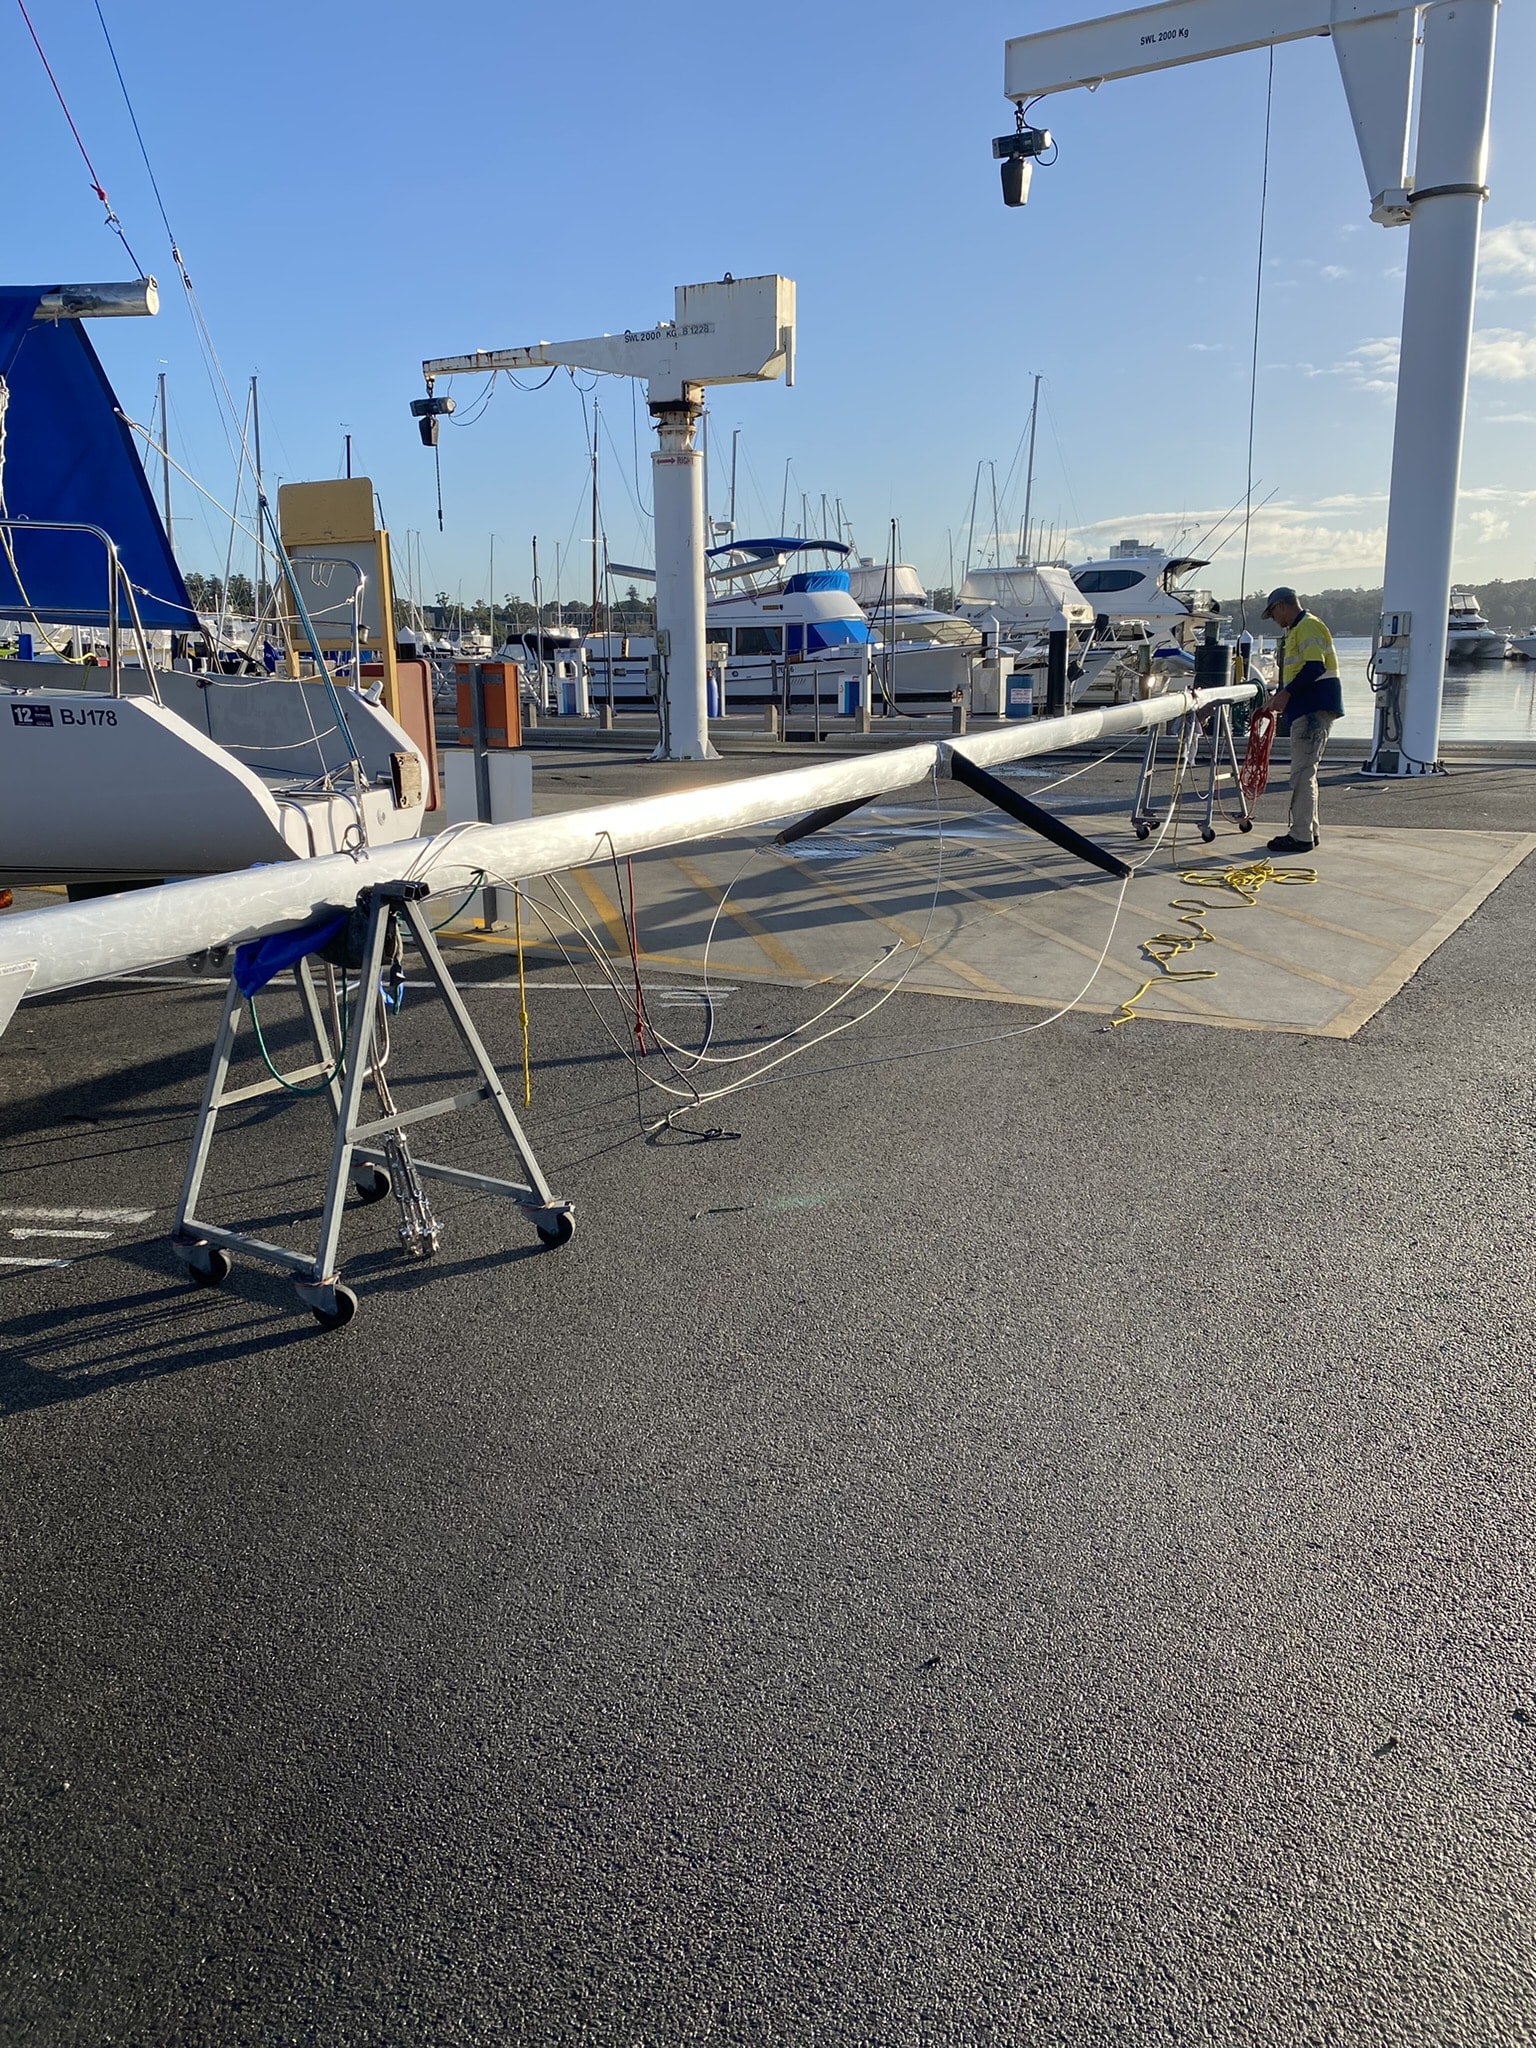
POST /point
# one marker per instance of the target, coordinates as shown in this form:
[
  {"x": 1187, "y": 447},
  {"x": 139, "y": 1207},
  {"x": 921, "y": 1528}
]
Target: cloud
[
  {"x": 1370, "y": 365},
  {"x": 1510, "y": 251},
  {"x": 1511, "y": 419},
  {"x": 1333, "y": 270},
  {"x": 1485, "y": 524},
  {"x": 1208, "y": 348},
  {"x": 1504, "y": 353}
]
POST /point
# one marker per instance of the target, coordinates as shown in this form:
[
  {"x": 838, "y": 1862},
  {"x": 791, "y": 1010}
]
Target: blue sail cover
[{"x": 68, "y": 456}]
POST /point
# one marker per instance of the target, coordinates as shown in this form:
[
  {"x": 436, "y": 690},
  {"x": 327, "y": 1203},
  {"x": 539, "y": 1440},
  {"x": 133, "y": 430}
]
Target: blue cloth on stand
[{"x": 261, "y": 960}]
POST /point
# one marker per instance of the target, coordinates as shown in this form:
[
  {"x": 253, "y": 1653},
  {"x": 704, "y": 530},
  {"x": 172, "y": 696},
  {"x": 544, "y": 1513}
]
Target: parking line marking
[
  {"x": 36, "y": 1262},
  {"x": 103, "y": 1235},
  {"x": 76, "y": 1215}
]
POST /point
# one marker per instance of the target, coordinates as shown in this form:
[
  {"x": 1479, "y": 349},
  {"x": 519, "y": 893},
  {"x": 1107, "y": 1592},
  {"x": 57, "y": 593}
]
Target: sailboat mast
[
  {"x": 735, "y": 438},
  {"x": 1029, "y": 477},
  {"x": 594, "y": 515},
  {"x": 261, "y": 493}
]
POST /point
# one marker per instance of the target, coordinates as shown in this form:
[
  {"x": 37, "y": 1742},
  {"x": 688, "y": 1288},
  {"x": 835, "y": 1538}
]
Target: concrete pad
[{"x": 961, "y": 902}]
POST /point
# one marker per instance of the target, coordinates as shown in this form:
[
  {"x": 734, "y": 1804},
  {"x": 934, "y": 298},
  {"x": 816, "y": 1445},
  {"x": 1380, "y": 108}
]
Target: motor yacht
[{"x": 1468, "y": 636}]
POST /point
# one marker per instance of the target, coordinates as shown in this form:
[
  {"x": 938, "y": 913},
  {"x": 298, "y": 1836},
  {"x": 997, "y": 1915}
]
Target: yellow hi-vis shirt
[{"x": 1307, "y": 641}]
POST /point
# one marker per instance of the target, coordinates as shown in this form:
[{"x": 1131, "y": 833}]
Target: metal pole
[
  {"x": 1438, "y": 297},
  {"x": 593, "y": 627},
  {"x": 678, "y": 496},
  {"x": 1056, "y": 667},
  {"x": 735, "y": 438},
  {"x": 1029, "y": 479},
  {"x": 261, "y": 532},
  {"x": 493, "y": 594},
  {"x": 349, "y": 458}
]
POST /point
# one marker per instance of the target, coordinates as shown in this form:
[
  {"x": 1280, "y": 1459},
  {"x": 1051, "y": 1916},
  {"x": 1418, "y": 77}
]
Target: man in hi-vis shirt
[{"x": 1312, "y": 699}]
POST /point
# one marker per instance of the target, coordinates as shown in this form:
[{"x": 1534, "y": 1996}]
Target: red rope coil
[{"x": 1253, "y": 776}]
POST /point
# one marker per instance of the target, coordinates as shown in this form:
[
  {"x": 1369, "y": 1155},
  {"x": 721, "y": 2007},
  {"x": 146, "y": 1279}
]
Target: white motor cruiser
[{"x": 1468, "y": 636}]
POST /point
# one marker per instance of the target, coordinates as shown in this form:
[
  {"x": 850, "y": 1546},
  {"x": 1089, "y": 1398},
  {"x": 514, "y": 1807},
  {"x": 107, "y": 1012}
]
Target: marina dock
[{"x": 991, "y": 1537}]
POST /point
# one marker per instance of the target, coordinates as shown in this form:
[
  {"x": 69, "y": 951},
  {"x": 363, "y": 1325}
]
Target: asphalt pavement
[{"x": 1024, "y": 1543}]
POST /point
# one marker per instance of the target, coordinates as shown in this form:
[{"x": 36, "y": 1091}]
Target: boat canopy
[
  {"x": 767, "y": 550},
  {"x": 876, "y": 584},
  {"x": 67, "y": 455},
  {"x": 1043, "y": 588},
  {"x": 816, "y": 579}
]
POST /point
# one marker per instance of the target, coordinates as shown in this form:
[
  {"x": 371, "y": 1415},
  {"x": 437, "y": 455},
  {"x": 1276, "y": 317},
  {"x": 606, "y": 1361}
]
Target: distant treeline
[
  {"x": 1353, "y": 614},
  {"x": 206, "y": 593}
]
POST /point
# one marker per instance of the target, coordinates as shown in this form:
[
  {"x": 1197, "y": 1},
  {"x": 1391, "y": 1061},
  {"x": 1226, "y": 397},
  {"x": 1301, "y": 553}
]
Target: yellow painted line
[
  {"x": 611, "y": 917},
  {"x": 765, "y": 940},
  {"x": 1323, "y": 924},
  {"x": 951, "y": 962}
]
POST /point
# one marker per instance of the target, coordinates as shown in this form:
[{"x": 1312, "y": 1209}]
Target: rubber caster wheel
[
  {"x": 211, "y": 1267},
  {"x": 1207, "y": 834},
  {"x": 1245, "y": 824},
  {"x": 336, "y": 1318},
  {"x": 560, "y": 1232},
  {"x": 1143, "y": 831},
  {"x": 372, "y": 1185}
]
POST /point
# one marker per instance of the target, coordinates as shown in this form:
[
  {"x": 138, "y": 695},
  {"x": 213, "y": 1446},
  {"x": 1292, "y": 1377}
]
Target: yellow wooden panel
[{"x": 340, "y": 509}]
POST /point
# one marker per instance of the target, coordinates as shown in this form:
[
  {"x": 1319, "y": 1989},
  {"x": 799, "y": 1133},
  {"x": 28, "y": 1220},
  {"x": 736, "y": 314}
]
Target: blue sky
[{"x": 357, "y": 187}]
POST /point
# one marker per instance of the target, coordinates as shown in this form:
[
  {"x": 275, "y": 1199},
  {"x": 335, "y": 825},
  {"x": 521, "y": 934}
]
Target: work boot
[{"x": 1286, "y": 844}]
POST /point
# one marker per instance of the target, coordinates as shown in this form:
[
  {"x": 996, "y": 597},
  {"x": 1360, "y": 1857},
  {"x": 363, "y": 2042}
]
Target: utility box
[
  {"x": 486, "y": 787},
  {"x": 1019, "y": 695},
  {"x": 502, "y": 710}
]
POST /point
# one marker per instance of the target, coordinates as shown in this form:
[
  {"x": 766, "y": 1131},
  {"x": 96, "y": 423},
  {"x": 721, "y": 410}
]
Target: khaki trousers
[{"x": 1309, "y": 736}]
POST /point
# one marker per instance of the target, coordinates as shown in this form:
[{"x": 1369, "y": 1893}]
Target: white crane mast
[{"x": 1448, "y": 47}]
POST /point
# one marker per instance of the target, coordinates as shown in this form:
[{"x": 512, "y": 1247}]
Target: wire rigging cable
[
  {"x": 1253, "y": 367},
  {"x": 96, "y": 185}
]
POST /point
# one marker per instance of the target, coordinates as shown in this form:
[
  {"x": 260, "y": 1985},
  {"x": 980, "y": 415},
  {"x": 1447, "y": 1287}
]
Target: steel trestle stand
[
  {"x": 1215, "y": 727},
  {"x": 371, "y": 1156}
]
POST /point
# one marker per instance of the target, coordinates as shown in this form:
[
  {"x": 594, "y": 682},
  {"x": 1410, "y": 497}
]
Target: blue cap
[{"x": 1284, "y": 595}]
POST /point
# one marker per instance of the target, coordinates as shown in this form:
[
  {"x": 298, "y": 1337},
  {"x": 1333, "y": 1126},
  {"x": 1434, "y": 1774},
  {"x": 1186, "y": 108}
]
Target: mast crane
[
  {"x": 1384, "y": 50},
  {"x": 739, "y": 331}
]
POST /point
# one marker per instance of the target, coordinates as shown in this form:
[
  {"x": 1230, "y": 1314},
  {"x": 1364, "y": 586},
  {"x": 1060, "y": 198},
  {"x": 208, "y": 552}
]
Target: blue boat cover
[
  {"x": 817, "y": 579},
  {"x": 68, "y": 455}
]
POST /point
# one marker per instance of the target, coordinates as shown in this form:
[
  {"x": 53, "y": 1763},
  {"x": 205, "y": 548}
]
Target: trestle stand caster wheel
[
  {"x": 331, "y": 1306},
  {"x": 1245, "y": 824},
  {"x": 1143, "y": 831},
  {"x": 372, "y": 1184},
  {"x": 1207, "y": 833},
  {"x": 335, "y": 1318},
  {"x": 208, "y": 1265},
  {"x": 560, "y": 1232}
]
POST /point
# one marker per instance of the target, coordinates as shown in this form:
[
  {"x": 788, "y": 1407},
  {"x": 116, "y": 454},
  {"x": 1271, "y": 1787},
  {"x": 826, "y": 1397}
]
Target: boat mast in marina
[
  {"x": 1029, "y": 474},
  {"x": 1381, "y": 48}
]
